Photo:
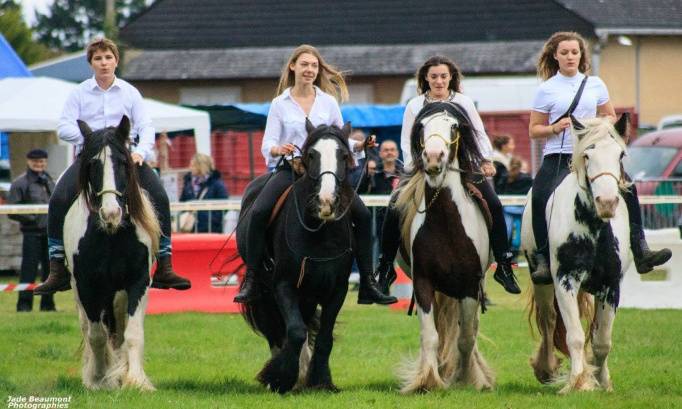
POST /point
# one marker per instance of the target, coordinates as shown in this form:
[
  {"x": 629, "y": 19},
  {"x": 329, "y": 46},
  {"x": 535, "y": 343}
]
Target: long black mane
[{"x": 469, "y": 155}]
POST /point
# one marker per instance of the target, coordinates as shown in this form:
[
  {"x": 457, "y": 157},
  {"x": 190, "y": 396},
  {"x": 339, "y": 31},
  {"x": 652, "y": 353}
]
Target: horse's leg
[
  {"x": 472, "y": 368},
  {"x": 545, "y": 362},
  {"x": 580, "y": 377},
  {"x": 281, "y": 372},
  {"x": 319, "y": 374},
  {"x": 134, "y": 347},
  {"x": 308, "y": 312},
  {"x": 119, "y": 365},
  {"x": 423, "y": 374},
  {"x": 96, "y": 356},
  {"x": 601, "y": 342}
]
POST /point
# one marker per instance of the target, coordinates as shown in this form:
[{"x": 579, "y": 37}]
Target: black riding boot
[
  {"x": 387, "y": 275},
  {"x": 249, "y": 289},
  {"x": 369, "y": 292},
  {"x": 504, "y": 274},
  {"x": 645, "y": 259}
]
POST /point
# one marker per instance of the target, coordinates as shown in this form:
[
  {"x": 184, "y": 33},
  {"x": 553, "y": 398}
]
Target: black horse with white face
[
  {"x": 110, "y": 237},
  {"x": 311, "y": 243}
]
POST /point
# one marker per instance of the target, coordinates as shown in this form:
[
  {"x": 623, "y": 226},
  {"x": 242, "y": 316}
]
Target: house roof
[
  {"x": 239, "y": 63},
  {"x": 630, "y": 16},
  {"x": 219, "y": 24}
]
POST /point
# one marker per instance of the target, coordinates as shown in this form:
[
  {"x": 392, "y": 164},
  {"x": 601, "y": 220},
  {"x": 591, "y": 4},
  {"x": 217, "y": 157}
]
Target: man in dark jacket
[{"x": 33, "y": 187}]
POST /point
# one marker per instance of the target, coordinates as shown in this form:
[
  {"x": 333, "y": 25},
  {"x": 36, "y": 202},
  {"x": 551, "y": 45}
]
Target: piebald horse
[
  {"x": 111, "y": 234},
  {"x": 589, "y": 242},
  {"x": 445, "y": 235}
]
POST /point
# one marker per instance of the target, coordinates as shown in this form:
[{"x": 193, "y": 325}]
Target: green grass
[{"x": 209, "y": 361}]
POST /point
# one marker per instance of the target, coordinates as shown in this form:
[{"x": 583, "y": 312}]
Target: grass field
[{"x": 209, "y": 361}]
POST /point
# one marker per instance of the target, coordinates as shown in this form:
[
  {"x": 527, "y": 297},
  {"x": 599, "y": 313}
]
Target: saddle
[
  {"x": 278, "y": 205},
  {"x": 482, "y": 204}
]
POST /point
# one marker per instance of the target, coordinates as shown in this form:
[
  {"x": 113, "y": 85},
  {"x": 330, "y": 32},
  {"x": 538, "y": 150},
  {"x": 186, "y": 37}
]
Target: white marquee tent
[{"x": 35, "y": 104}]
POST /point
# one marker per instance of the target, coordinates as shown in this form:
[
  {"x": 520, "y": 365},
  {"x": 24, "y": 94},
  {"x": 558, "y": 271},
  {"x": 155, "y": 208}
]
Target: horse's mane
[
  {"x": 412, "y": 185},
  {"x": 139, "y": 205},
  {"x": 595, "y": 130}
]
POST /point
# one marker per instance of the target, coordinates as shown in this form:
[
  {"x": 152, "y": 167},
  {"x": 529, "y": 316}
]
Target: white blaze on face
[
  {"x": 437, "y": 132},
  {"x": 328, "y": 163},
  {"x": 605, "y": 166},
  {"x": 110, "y": 211}
]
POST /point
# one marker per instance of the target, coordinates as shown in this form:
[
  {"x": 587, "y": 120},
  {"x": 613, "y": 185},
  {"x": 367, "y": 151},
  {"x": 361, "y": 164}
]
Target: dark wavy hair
[
  {"x": 548, "y": 66},
  {"x": 423, "y": 85},
  {"x": 469, "y": 155}
]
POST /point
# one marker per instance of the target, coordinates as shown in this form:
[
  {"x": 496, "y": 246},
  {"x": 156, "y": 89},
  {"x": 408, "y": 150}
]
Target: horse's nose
[
  {"x": 606, "y": 207},
  {"x": 111, "y": 216},
  {"x": 433, "y": 161}
]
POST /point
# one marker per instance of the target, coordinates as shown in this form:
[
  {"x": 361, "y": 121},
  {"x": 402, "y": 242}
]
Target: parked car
[
  {"x": 670, "y": 121},
  {"x": 654, "y": 162}
]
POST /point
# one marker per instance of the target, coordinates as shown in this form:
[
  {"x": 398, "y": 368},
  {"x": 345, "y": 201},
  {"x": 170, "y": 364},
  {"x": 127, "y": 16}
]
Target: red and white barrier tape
[{"x": 8, "y": 288}]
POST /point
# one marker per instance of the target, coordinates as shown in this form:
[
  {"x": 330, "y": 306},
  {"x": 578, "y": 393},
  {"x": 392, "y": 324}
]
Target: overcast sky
[{"x": 29, "y": 7}]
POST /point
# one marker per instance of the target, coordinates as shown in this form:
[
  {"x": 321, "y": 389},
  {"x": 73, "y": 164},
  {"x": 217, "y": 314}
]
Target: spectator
[
  {"x": 204, "y": 182},
  {"x": 358, "y": 136},
  {"x": 33, "y": 187},
  {"x": 503, "y": 149},
  {"x": 383, "y": 175},
  {"x": 517, "y": 182}
]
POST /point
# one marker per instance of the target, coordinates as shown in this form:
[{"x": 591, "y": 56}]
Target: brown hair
[
  {"x": 499, "y": 141},
  {"x": 423, "y": 85},
  {"x": 101, "y": 44},
  {"x": 548, "y": 66},
  {"x": 329, "y": 79}
]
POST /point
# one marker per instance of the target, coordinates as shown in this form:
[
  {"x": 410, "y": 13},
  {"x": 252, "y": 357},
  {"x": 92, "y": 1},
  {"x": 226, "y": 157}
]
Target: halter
[
  {"x": 105, "y": 191},
  {"x": 593, "y": 178}
]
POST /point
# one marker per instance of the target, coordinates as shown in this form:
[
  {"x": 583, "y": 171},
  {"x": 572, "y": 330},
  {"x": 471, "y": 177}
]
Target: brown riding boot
[
  {"x": 58, "y": 280},
  {"x": 165, "y": 278}
]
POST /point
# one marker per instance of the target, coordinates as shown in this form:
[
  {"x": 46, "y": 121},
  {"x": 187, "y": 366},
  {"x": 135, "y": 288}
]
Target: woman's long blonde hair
[
  {"x": 548, "y": 66},
  {"x": 202, "y": 163},
  {"x": 329, "y": 79}
]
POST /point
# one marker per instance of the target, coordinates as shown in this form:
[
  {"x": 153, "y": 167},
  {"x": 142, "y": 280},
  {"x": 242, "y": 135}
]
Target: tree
[
  {"x": 70, "y": 24},
  {"x": 19, "y": 35}
]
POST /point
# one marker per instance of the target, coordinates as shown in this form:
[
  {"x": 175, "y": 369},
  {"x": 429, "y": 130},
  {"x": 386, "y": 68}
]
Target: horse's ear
[
  {"x": 309, "y": 127},
  {"x": 622, "y": 124},
  {"x": 123, "y": 129},
  {"x": 577, "y": 125},
  {"x": 346, "y": 129},
  {"x": 85, "y": 129}
]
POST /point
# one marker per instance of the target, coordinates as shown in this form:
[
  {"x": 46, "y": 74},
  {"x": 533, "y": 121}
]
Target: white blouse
[
  {"x": 286, "y": 121},
  {"x": 416, "y": 104}
]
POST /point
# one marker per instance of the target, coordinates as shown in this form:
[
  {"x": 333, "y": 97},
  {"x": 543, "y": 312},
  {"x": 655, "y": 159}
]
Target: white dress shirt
[
  {"x": 416, "y": 104},
  {"x": 103, "y": 108},
  {"x": 286, "y": 121}
]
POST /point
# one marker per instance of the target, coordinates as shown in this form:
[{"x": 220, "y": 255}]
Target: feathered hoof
[
  {"x": 581, "y": 383},
  {"x": 547, "y": 373},
  {"x": 143, "y": 384},
  {"x": 424, "y": 382},
  {"x": 276, "y": 382}
]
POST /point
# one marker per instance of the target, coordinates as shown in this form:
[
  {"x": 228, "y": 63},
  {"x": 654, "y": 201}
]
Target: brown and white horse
[
  {"x": 446, "y": 238},
  {"x": 589, "y": 242}
]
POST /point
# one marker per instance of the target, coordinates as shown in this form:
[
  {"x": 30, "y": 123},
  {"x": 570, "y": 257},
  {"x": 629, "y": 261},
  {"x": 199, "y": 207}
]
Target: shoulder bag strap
[{"x": 574, "y": 103}]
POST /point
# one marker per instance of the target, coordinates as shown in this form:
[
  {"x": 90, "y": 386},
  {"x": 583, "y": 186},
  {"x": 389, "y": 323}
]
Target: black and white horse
[
  {"x": 110, "y": 237},
  {"x": 311, "y": 243},
  {"x": 589, "y": 242},
  {"x": 445, "y": 236}
]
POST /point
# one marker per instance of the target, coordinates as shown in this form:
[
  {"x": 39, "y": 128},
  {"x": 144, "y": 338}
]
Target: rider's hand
[
  {"x": 370, "y": 142},
  {"x": 564, "y": 123},
  {"x": 286, "y": 149},
  {"x": 137, "y": 158},
  {"x": 488, "y": 169}
]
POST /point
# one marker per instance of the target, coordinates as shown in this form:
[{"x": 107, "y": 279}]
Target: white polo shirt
[
  {"x": 103, "y": 108},
  {"x": 417, "y": 103},
  {"x": 286, "y": 121},
  {"x": 555, "y": 95}
]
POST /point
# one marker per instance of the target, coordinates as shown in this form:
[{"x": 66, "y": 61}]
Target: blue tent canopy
[
  {"x": 360, "y": 116},
  {"x": 11, "y": 66}
]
